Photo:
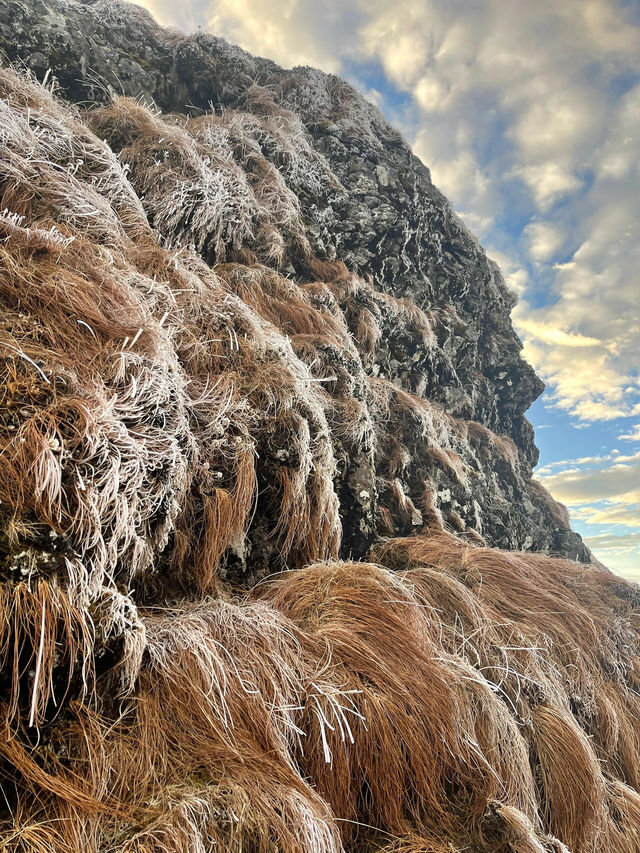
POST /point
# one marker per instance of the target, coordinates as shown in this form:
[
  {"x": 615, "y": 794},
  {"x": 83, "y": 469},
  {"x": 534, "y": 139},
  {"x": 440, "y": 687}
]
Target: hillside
[{"x": 275, "y": 575}]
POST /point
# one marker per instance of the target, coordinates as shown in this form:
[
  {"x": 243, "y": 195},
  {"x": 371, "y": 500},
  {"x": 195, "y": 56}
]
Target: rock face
[{"x": 427, "y": 311}]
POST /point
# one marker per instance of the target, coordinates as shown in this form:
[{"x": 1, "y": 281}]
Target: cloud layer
[{"x": 603, "y": 496}]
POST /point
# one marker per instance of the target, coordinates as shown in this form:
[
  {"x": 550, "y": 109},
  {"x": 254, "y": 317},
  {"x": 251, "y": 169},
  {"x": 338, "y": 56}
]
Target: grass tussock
[
  {"x": 409, "y": 704},
  {"x": 139, "y": 391},
  {"x": 226, "y": 184}
]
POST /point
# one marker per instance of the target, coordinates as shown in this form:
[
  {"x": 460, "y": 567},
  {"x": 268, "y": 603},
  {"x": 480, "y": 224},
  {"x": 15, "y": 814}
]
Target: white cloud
[
  {"x": 634, "y": 435},
  {"x": 549, "y": 333},
  {"x": 574, "y": 464},
  {"x": 623, "y": 542},
  {"x": 430, "y": 93},
  {"x": 619, "y": 552},
  {"x": 544, "y": 240},
  {"x": 602, "y": 492},
  {"x": 614, "y": 478},
  {"x": 548, "y": 182}
]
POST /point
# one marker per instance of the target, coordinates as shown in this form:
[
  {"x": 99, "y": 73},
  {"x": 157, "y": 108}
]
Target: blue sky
[{"x": 528, "y": 115}]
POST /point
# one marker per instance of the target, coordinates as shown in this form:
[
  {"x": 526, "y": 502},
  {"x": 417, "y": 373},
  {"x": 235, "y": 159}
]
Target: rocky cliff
[
  {"x": 259, "y": 166},
  {"x": 243, "y": 333}
]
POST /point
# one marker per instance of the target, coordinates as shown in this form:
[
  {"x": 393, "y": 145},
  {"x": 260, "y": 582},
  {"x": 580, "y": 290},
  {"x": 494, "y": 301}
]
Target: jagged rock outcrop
[
  {"x": 261, "y": 435},
  {"x": 348, "y": 189}
]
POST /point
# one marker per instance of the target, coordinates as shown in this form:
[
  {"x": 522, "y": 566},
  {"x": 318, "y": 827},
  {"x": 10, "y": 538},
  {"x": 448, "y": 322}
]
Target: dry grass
[
  {"x": 225, "y": 184},
  {"x": 557, "y": 510},
  {"x": 164, "y": 423},
  {"x": 481, "y": 437},
  {"x": 434, "y": 705},
  {"x": 160, "y": 387}
]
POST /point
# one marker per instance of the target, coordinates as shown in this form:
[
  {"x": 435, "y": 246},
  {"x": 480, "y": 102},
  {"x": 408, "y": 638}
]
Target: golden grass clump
[
  {"x": 557, "y": 510},
  {"x": 198, "y": 755},
  {"x": 430, "y": 705},
  {"x": 139, "y": 390}
]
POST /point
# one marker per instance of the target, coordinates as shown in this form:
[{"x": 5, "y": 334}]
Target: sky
[{"x": 528, "y": 115}]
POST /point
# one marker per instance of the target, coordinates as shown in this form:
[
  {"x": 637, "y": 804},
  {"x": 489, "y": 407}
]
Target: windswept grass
[{"x": 178, "y": 421}]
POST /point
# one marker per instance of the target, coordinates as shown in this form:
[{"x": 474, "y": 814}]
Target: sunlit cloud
[
  {"x": 544, "y": 240},
  {"x": 550, "y": 334},
  {"x": 548, "y": 182},
  {"x": 633, "y": 435},
  {"x": 625, "y": 542},
  {"x": 614, "y": 478},
  {"x": 602, "y": 493},
  {"x": 620, "y": 552}
]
